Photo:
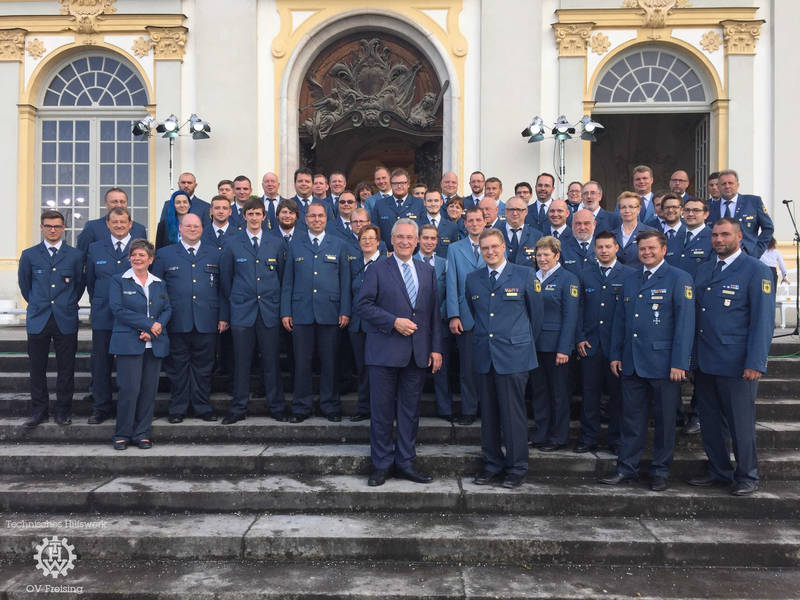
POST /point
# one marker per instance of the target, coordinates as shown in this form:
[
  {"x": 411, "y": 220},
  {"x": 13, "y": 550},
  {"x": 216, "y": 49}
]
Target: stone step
[
  {"x": 412, "y": 536},
  {"x": 235, "y": 580},
  {"x": 250, "y": 459},
  {"x": 539, "y": 495},
  {"x": 769, "y": 434}
]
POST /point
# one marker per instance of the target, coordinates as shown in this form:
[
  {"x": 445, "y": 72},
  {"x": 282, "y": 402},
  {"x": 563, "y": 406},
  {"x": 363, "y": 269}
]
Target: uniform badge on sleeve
[
  {"x": 766, "y": 286},
  {"x": 687, "y": 291},
  {"x": 538, "y": 286},
  {"x": 573, "y": 291}
]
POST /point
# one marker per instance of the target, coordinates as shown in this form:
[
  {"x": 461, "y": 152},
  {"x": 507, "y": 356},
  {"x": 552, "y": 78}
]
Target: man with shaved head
[
  {"x": 449, "y": 185},
  {"x": 187, "y": 182},
  {"x": 679, "y": 183},
  {"x": 557, "y": 216}
]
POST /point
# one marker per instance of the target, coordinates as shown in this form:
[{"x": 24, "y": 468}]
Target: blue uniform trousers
[
  {"x": 245, "y": 340},
  {"x": 324, "y": 337},
  {"x": 470, "y": 386},
  {"x": 65, "y": 345},
  {"x": 137, "y": 376},
  {"x": 394, "y": 394},
  {"x": 596, "y": 375},
  {"x": 728, "y": 400},
  {"x": 636, "y": 394},
  {"x": 504, "y": 422},
  {"x": 192, "y": 356},
  {"x": 551, "y": 395},
  {"x": 357, "y": 342},
  {"x": 102, "y": 365},
  {"x": 441, "y": 379}
]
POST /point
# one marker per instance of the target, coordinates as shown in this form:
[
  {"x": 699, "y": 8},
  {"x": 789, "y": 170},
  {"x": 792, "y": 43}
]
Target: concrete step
[
  {"x": 249, "y": 459},
  {"x": 539, "y": 495},
  {"x": 769, "y": 434},
  {"x": 264, "y": 580},
  {"x": 428, "y": 537}
]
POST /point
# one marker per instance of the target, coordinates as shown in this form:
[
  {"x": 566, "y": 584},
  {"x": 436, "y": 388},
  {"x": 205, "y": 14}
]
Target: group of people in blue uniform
[{"x": 533, "y": 294}]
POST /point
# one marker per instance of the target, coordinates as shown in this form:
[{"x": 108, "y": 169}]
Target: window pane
[
  {"x": 48, "y": 152},
  {"x": 124, "y": 152},
  {"x": 64, "y": 173},
  {"x": 106, "y": 175},
  {"x": 106, "y": 152},
  {"x": 48, "y": 174},
  {"x": 140, "y": 152},
  {"x": 65, "y": 152},
  {"x": 123, "y": 174},
  {"x": 81, "y": 173},
  {"x": 81, "y": 130},
  {"x": 82, "y": 153},
  {"x": 140, "y": 174}
]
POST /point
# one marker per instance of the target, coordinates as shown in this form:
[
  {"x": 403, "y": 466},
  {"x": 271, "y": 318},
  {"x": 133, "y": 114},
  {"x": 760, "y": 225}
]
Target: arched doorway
[
  {"x": 655, "y": 105},
  {"x": 371, "y": 98}
]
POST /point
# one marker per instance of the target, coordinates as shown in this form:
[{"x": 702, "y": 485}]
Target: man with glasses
[
  {"x": 520, "y": 239},
  {"x": 51, "y": 281},
  {"x": 97, "y": 229},
  {"x": 447, "y": 231},
  {"x": 678, "y": 184},
  {"x": 340, "y": 226},
  {"x": 673, "y": 228},
  {"x": 400, "y": 205},
  {"x": 592, "y": 197},
  {"x": 574, "y": 190}
]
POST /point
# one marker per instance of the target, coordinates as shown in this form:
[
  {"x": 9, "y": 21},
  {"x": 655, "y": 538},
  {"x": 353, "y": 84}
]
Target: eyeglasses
[
  {"x": 515, "y": 210},
  {"x": 347, "y": 201},
  {"x": 368, "y": 238},
  {"x": 694, "y": 210},
  {"x": 399, "y": 182},
  {"x": 53, "y": 227},
  {"x": 681, "y": 180}
]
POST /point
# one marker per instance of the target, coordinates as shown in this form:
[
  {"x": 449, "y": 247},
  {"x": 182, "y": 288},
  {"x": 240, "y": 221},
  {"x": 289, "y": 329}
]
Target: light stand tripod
[{"x": 796, "y": 330}]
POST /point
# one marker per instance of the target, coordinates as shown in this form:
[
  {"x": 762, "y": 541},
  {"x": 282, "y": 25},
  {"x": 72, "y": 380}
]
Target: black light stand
[{"x": 797, "y": 274}]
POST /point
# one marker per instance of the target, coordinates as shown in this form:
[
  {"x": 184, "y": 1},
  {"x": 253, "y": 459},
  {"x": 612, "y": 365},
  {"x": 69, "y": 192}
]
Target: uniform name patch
[{"x": 330, "y": 256}]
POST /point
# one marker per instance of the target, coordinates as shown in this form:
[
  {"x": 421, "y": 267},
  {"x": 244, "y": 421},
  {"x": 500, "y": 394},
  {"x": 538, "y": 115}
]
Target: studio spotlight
[
  {"x": 534, "y": 131},
  {"x": 169, "y": 127},
  {"x": 589, "y": 128},
  {"x": 143, "y": 126},
  {"x": 199, "y": 128},
  {"x": 562, "y": 129}
]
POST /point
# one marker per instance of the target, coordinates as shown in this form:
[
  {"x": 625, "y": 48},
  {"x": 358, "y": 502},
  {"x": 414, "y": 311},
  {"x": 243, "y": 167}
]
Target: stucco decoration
[{"x": 86, "y": 12}]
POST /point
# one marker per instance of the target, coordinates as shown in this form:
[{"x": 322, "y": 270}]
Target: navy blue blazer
[
  {"x": 598, "y": 304},
  {"x": 735, "y": 317},
  {"x": 198, "y": 207},
  {"x": 97, "y": 229},
  {"x": 560, "y": 294},
  {"x": 302, "y": 208},
  {"x": 316, "y": 284},
  {"x": 193, "y": 286},
  {"x": 102, "y": 263},
  {"x": 383, "y": 299},
  {"x": 532, "y": 218},
  {"x": 628, "y": 254},
  {"x": 51, "y": 285},
  {"x": 573, "y": 258},
  {"x": 649, "y": 344},
  {"x": 130, "y": 306},
  {"x": 606, "y": 221},
  {"x": 507, "y": 319},
  {"x": 251, "y": 281},
  {"x": 448, "y": 232},
  {"x": 696, "y": 252},
  {"x": 386, "y": 212},
  {"x": 757, "y": 226},
  {"x": 357, "y": 271},
  {"x": 461, "y": 262},
  {"x": 209, "y": 237},
  {"x": 675, "y": 247},
  {"x": 526, "y": 253}
]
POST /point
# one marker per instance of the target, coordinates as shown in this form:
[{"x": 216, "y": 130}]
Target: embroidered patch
[
  {"x": 573, "y": 291},
  {"x": 687, "y": 291},
  {"x": 538, "y": 286},
  {"x": 766, "y": 286}
]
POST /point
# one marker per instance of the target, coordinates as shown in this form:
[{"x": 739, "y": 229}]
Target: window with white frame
[{"x": 85, "y": 141}]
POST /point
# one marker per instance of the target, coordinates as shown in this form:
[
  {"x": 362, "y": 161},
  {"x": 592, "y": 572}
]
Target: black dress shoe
[
  {"x": 536, "y": 445},
  {"x": 359, "y": 417},
  {"x": 297, "y": 418},
  {"x": 487, "y": 477},
  {"x": 175, "y": 419},
  {"x": 658, "y": 484},
  {"x": 144, "y": 444},
  {"x": 96, "y": 419},
  {"x": 34, "y": 421},
  {"x": 448, "y": 418},
  {"x": 231, "y": 419},
  {"x": 616, "y": 479},
  {"x": 88, "y": 398},
  {"x": 613, "y": 450},
  {"x": 550, "y": 447},
  {"x": 64, "y": 420},
  {"x": 120, "y": 445},
  {"x": 584, "y": 448},
  {"x": 512, "y": 481},
  {"x": 466, "y": 420},
  {"x": 707, "y": 480},
  {"x": 334, "y": 418},
  {"x": 378, "y": 477},
  {"x": 744, "y": 488},
  {"x": 692, "y": 427},
  {"x": 209, "y": 417},
  {"x": 281, "y": 417},
  {"x": 412, "y": 475}
]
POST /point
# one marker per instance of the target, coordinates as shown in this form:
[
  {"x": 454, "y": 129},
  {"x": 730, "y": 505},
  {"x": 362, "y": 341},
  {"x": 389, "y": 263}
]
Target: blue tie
[
  {"x": 315, "y": 244},
  {"x": 542, "y": 213},
  {"x": 408, "y": 279}
]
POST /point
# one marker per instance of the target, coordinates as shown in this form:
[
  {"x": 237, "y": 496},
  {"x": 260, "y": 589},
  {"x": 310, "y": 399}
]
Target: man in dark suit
[
  {"x": 558, "y": 215},
  {"x": 678, "y": 184},
  {"x": 315, "y": 304},
  {"x": 506, "y": 306},
  {"x": 340, "y": 226},
  {"x": 449, "y": 186},
  {"x": 696, "y": 246},
  {"x": 51, "y": 280},
  {"x": 270, "y": 184},
  {"x": 400, "y": 205},
  {"x": 190, "y": 270},
  {"x": 338, "y": 184},
  {"x": 735, "y": 314},
  {"x": 188, "y": 183},
  {"x": 382, "y": 184},
  {"x": 592, "y": 197},
  {"x": 650, "y": 349},
  {"x": 399, "y": 303},
  {"x": 97, "y": 229},
  {"x": 491, "y": 218},
  {"x": 304, "y": 193},
  {"x": 537, "y": 212},
  {"x": 251, "y": 268},
  {"x": 749, "y": 210},
  {"x": 222, "y": 229},
  {"x": 674, "y": 228},
  {"x": 574, "y": 190},
  {"x": 447, "y": 230},
  {"x": 643, "y": 186},
  {"x": 105, "y": 258},
  {"x": 520, "y": 239},
  {"x": 477, "y": 182}
]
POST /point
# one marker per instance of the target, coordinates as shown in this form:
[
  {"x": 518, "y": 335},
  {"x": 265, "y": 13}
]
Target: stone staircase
[{"x": 263, "y": 509}]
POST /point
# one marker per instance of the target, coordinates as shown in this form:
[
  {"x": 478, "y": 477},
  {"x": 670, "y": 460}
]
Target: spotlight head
[
  {"x": 562, "y": 130},
  {"x": 199, "y": 128},
  {"x": 143, "y": 126},
  {"x": 589, "y": 128},
  {"x": 169, "y": 127},
  {"x": 534, "y": 131}
]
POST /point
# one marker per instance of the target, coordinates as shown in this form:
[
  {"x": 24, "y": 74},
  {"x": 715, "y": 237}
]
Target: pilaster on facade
[
  {"x": 572, "y": 39},
  {"x": 741, "y": 36}
]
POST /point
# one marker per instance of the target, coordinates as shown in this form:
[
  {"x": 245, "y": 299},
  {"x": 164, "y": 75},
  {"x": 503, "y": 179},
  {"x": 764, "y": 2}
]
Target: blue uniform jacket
[
  {"x": 598, "y": 304},
  {"x": 51, "y": 286},
  {"x": 97, "y": 229},
  {"x": 316, "y": 285},
  {"x": 440, "y": 267},
  {"x": 101, "y": 264},
  {"x": 735, "y": 317},
  {"x": 532, "y": 219},
  {"x": 210, "y": 239},
  {"x": 573, "y": 258},
  {"x": 448, "y": 232},
  {"x": 251, "y": 282},
  {"x": 302, "y": 208},
  {"x": 508, "y": 318},
  {"x": 629, "y": 253},
  {"x": 526, "y": 254},
  {"x": 383, "y": 298},
  {"x": 606, "y": 220},
  {"x": 649, "y": 344},
  {"x": 193, "y": 285},
  {"x": 198, "y": 207},
  {"x": 129, "y": 305},
  {"x": 357, "y": 272},
  {"x": 757, "y": 226},
  {"x": 386, "y": 212},
  {"x": 560, "y": 294},
  {"x": 675, "y": 246},
  {"x": 696, "y": 252},
  {"x": 461, "y": 262}
]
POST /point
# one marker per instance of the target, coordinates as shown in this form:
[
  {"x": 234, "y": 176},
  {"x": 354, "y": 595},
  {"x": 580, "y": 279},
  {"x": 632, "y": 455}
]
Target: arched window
[
  {"x": 651, "y": 75},
  {"x": 85, "y": 142}
]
